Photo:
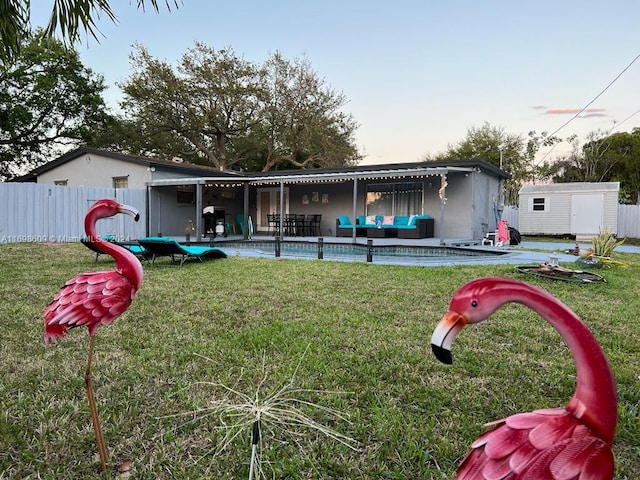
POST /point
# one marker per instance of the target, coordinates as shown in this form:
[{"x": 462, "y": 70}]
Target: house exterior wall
[
  {"x": 333, "y": 199},
  {"x": 92, "y": 170},
  {"x": 557, "y": 216},
  {"x": 469, "y": 210},
  {"x": 486, "y": 200},
  {"x": 458, "y": 213}
]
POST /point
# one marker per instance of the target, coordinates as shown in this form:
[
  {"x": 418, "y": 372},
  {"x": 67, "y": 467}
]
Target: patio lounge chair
[
  {"x": 134, "y": 248},
  {"x": 85, "y": 241},
  {"x": 167, "y": 247}
]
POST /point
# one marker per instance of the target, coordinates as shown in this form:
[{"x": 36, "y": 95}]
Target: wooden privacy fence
[
  {"x": 32, "y": 212},
  {"x": 628, "y": 220}
]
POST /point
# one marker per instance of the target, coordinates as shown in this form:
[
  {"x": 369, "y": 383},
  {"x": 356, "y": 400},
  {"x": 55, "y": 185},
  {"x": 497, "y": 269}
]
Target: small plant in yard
[
  {"x": 278, "y": 410},
  {"x": 602, "y": 252}
]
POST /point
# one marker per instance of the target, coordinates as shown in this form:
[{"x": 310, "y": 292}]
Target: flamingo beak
[
  {"x": 444, "y": 333},
  {"x": 129, "y": 211}
]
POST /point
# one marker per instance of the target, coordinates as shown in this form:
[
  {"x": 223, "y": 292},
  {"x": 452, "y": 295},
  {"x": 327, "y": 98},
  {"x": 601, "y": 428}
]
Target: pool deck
[{"x": 532, "y": 252}]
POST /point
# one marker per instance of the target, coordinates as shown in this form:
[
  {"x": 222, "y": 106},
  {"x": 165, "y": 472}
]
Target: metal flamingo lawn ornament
[
  {"x": 567, "y": 443},
  {"x": 96, "y": 298}
]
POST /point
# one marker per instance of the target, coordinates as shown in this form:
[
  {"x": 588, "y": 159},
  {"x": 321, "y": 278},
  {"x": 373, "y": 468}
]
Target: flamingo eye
[{"x": 474, "y": 303}]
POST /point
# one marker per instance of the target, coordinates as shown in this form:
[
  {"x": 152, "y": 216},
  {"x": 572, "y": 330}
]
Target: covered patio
[{"x": 463, "y": 197}]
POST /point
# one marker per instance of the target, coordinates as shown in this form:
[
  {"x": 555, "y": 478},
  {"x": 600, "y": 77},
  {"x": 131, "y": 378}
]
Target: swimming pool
[{"x": 376, "y": 254}]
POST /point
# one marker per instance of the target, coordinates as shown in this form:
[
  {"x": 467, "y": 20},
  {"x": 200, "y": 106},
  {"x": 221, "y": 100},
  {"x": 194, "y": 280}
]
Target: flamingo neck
[
  {"x": 595, "y": 399},
  {"x": 126, "y": 262}
]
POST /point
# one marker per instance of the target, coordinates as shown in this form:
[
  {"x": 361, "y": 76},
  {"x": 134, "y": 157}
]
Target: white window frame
[
  {"x": 116, "y": 180},
  {"x": 533, "y": 203}
]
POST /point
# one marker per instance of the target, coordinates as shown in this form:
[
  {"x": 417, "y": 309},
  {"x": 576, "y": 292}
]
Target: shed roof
[{"x": 573, "y": 187}]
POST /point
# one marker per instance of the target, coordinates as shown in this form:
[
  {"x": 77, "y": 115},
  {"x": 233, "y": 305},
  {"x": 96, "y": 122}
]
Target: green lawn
[{"x": 206, "y": 340}]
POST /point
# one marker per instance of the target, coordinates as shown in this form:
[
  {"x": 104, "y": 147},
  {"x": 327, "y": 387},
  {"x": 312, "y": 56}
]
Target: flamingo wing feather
[
  {"x": 552, "y": 430},
  {"x": 586, "y": 458},
  {"x": 91, "y": 299},
  {"x": 549, "y": 445}
]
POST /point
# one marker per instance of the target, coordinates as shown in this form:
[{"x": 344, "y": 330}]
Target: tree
[
  {"x": 302, "y": 122},
  {"x": 207, "y": 106},
  {"x": 71, "y": 17},
  {"x": 222, "y": 110},
  {"x": 48, "y": 101},
  {"x": 604, "y": 158},
  {"x": 589, "y": 163},
  {"x": 492, "y": 144}
]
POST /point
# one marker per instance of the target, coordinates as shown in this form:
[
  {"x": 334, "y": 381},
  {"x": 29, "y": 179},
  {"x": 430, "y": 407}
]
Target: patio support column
[
  {"x": 245, "y": 209},
  {"x": 199, "y": 218},
  {"x": 355, "y": 200},
  {"x": 443, "y": 201},
  {"x": 147, "y": 202},
  {"x": 281, "y": 223}
]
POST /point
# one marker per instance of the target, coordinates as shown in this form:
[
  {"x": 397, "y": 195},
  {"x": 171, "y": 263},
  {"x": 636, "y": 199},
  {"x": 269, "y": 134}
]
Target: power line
[
  {"x": 628, "y": 118},
  {"x": 587, "y": 106}
]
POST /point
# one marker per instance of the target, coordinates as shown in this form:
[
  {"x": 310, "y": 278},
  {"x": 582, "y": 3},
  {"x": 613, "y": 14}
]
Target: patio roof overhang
[{"x": 311, "y": 177}]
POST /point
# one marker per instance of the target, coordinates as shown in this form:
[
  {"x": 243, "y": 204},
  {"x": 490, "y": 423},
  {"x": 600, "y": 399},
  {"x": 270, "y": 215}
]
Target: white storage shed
[{"x": 581, "y": 209}]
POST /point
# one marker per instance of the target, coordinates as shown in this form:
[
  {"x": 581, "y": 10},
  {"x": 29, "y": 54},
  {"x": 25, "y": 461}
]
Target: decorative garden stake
[
  {"x": 96, "y": 298},
  {"x": 255, "y": 439},
  {"x": 279, "y": 410},
  {"x": 571, "y": 442}
]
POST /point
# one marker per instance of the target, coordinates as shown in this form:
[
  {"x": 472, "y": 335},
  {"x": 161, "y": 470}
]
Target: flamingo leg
[{"x": 102, "y": 450}]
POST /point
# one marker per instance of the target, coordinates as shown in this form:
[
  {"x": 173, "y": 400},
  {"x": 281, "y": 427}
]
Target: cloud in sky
[{"x": 589, "y": 112}]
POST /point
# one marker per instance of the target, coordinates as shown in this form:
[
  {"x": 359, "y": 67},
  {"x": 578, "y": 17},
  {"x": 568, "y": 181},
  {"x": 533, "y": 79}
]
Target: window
[
  {"x": 61, "y": 183},
  {"x": 120, "y": 182},
  {"x": 394, "y": 198},
  {"x": 539, "y": 204}
]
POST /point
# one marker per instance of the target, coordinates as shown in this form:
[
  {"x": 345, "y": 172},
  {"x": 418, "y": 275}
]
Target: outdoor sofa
[{"x": 386, "y": 226}]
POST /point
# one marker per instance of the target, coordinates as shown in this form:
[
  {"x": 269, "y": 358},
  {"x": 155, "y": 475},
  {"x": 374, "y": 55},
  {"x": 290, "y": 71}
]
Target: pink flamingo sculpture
[
  {"x": 553, "y": 444},
  {"x": 96, "y": 298}
]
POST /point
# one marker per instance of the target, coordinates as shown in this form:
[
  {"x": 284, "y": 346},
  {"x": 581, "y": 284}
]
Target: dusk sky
[{"x": 418, "y": 74}]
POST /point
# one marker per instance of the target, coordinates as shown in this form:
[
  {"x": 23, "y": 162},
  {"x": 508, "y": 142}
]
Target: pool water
[{"x": 382, "y": 254}]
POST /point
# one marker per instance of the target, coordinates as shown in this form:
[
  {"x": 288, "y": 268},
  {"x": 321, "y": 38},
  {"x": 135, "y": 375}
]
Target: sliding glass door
[{"x": 269, "y": 202}]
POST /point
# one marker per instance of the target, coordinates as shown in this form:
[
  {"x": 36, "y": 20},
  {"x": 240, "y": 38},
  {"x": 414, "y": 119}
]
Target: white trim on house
[{"x": 311, "y": 176}]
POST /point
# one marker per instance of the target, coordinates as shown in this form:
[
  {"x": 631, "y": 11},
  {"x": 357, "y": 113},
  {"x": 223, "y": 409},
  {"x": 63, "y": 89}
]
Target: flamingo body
[
  {"x": 96, "y": 298},
  {"x": 570, "y": 443},
  {"x": 91, "y": 299}
]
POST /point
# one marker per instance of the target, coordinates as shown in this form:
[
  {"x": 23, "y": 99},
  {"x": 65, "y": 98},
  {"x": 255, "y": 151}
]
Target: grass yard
[{"x": 201, "y": 343}]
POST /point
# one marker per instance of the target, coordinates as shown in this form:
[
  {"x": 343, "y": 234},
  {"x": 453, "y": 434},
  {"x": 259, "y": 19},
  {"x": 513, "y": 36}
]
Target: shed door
[{"x": 587, "y": 213}]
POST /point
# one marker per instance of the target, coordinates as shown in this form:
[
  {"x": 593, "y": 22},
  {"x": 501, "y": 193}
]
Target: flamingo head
[
  {"x": 107, "y": 208},
  {"x": 472, "y": 303}
]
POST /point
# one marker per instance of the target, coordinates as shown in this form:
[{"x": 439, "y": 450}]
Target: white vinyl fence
[
  {"x": 32, "y": 212},
  {"x": 511, "y": 215},
  {"x": 628, "y": 220}
]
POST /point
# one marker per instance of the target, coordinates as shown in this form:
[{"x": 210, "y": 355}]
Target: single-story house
[
  {"x": 461, "y": 196},
  {"x": 581, "y": 209}
]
